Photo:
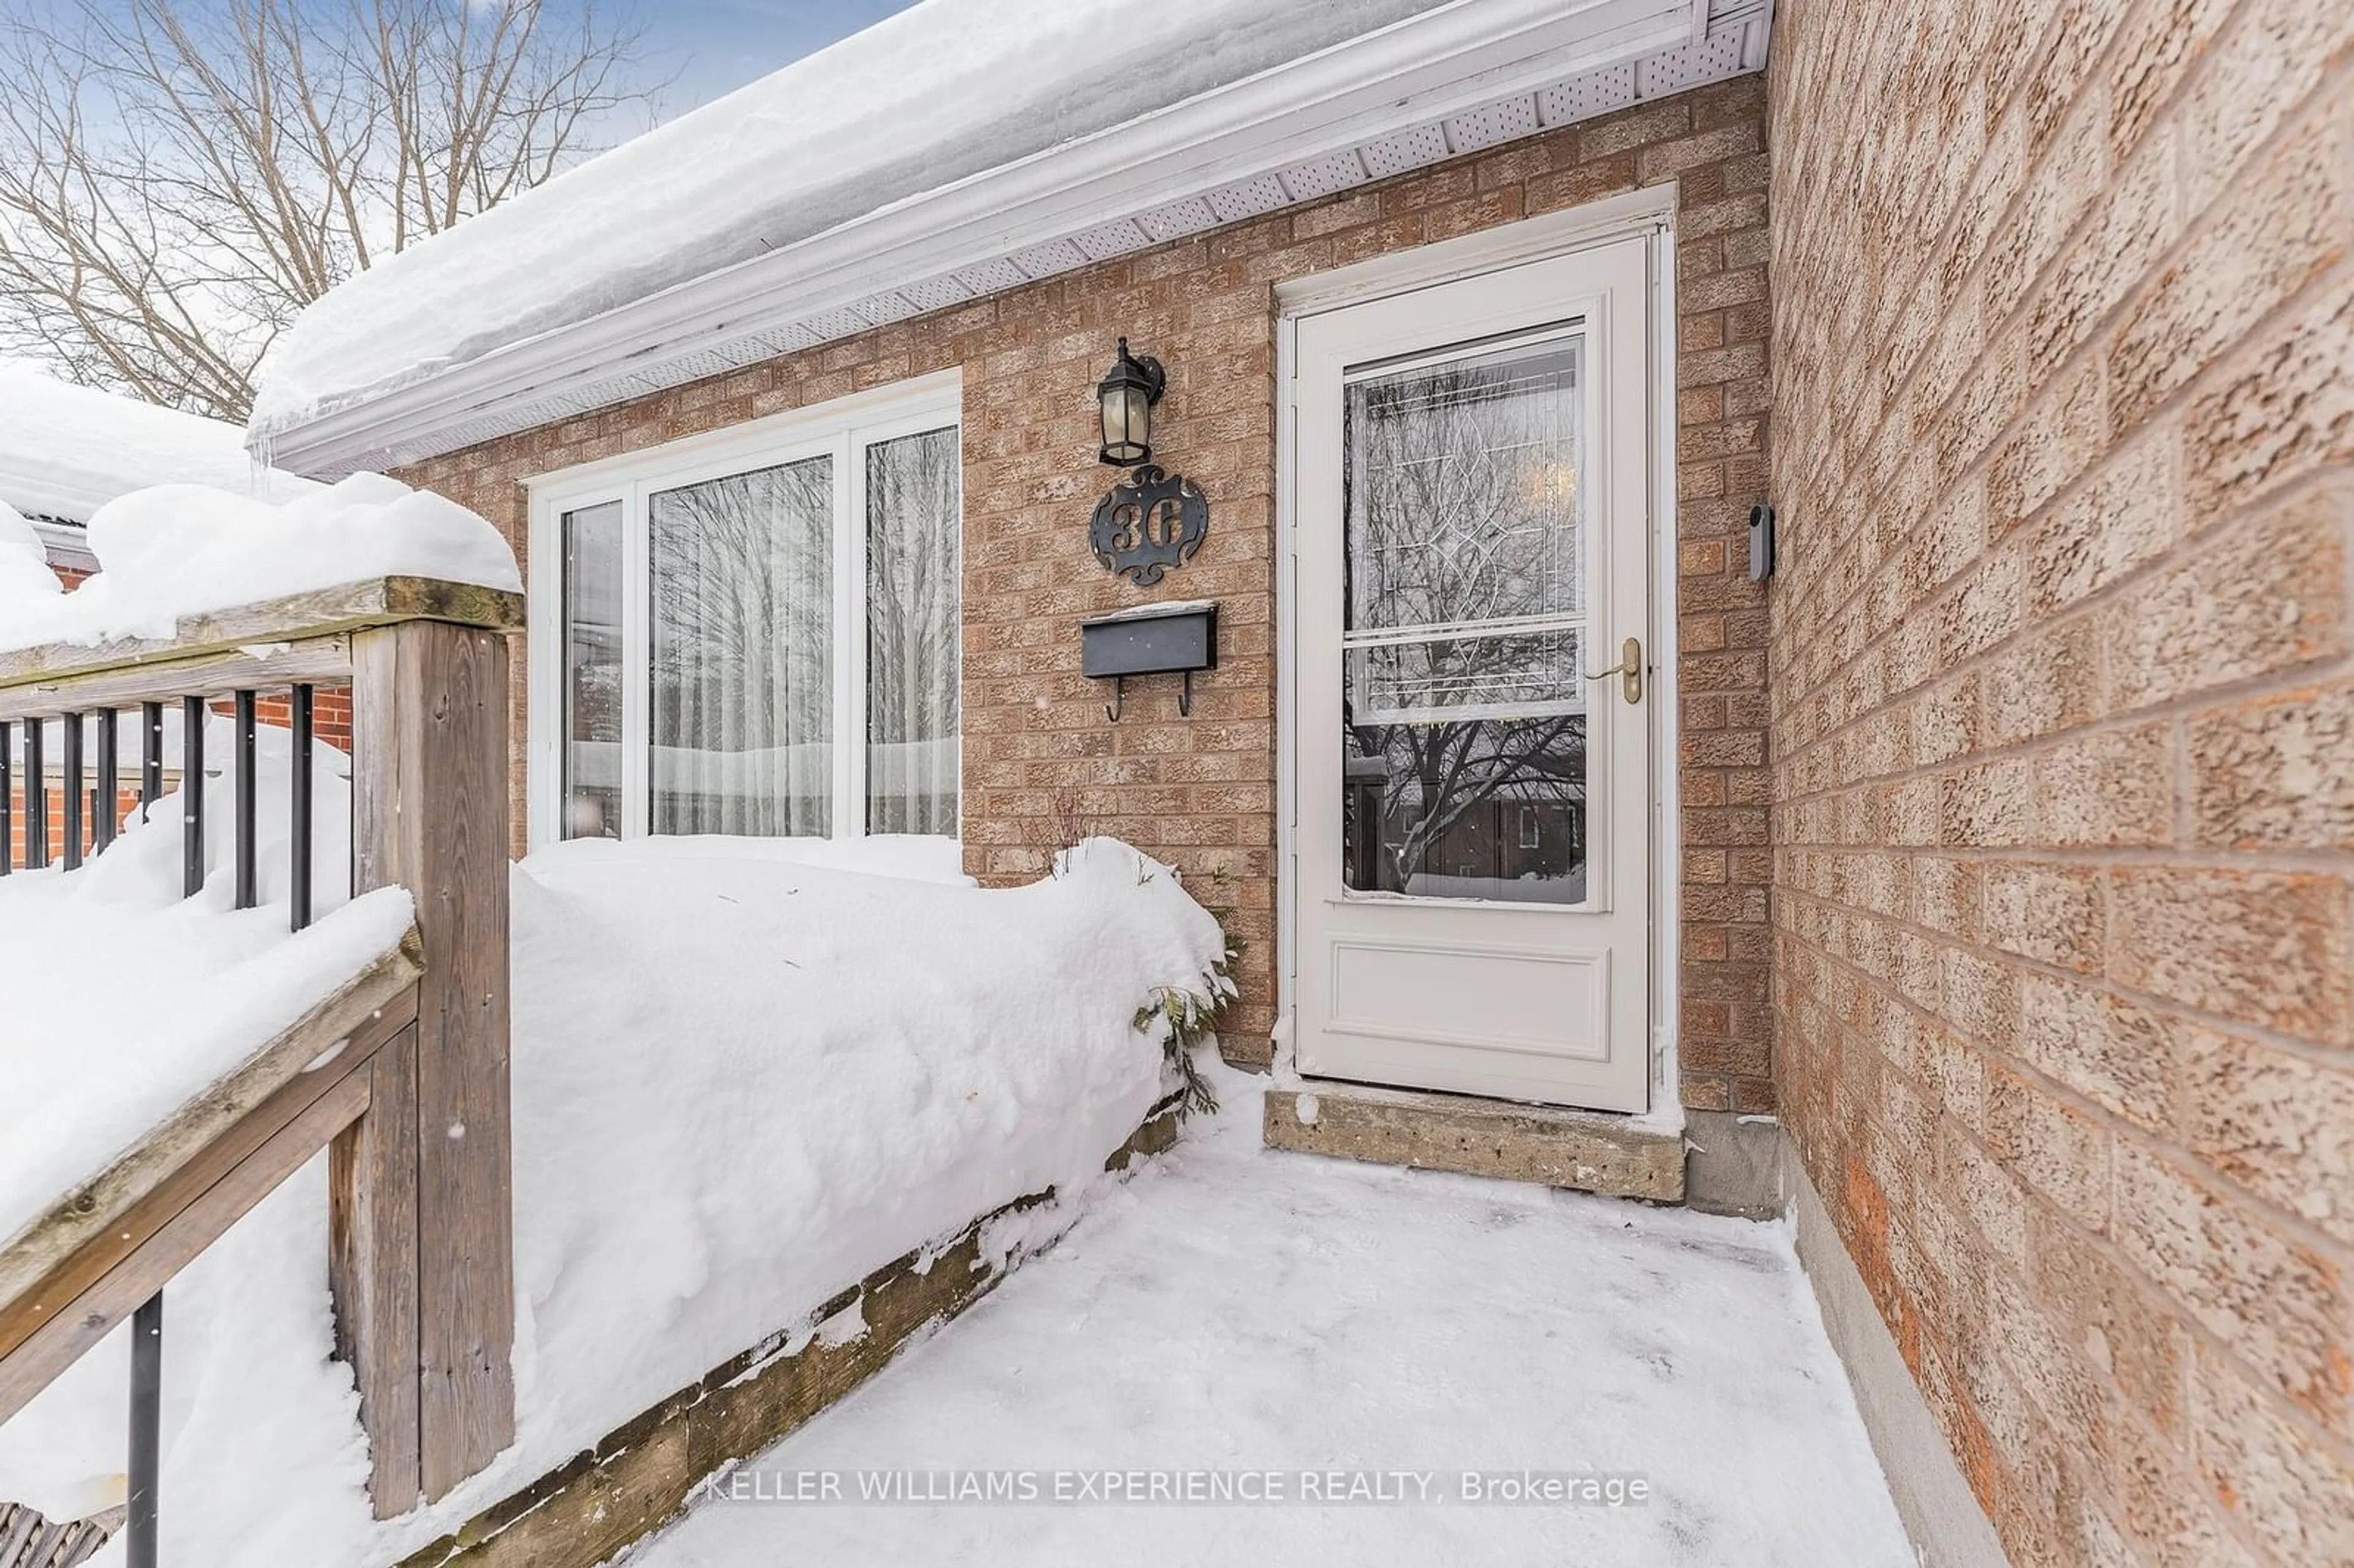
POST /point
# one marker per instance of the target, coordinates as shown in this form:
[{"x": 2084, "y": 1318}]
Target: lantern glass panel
[{"x": 1127, "y": 429}]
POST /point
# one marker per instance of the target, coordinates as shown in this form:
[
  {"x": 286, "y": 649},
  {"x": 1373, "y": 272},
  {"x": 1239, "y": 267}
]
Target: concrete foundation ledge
[
  {"x": 1932, "y": 1495},
  {"x": 1591, "y": 1151}
]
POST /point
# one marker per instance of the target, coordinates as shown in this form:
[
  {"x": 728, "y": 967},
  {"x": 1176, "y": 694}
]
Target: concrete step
[{"x": 1592, "y": 1151}]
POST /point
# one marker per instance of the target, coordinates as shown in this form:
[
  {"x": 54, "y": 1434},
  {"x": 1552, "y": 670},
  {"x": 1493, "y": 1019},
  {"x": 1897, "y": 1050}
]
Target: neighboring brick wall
[
  {"x": 126, "y": 801},
  {"x": 331, "y": 713},
  {"x": 1040, "y": 763},
  {"x": 2063, "y": 738},
  {"x": 331, "y": 722}
]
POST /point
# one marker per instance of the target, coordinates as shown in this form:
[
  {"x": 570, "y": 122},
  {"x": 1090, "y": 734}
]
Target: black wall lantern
[{"x": 1127, "y": 393}]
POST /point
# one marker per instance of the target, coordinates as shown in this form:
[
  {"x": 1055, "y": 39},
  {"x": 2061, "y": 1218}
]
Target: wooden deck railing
[{"x": 413, "y": 1104}]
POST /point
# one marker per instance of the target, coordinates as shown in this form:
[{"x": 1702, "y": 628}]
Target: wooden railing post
[
  {"x": 423, "y": 1222},
  {"x": 421, "y": 1226}
]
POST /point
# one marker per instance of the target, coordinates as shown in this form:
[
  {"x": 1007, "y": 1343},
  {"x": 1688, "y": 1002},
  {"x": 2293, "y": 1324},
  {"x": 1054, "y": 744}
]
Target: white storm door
[{"x": 1472, "y": 837}]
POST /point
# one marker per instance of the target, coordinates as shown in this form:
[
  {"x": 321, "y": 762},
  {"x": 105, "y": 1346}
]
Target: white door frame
[{"x": 1650, "y": 213}]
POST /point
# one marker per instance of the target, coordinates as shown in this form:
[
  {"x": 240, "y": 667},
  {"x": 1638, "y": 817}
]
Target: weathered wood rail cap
[
  {"x": 245, "y": 641},
  {"x": 94, "y": 1254}
]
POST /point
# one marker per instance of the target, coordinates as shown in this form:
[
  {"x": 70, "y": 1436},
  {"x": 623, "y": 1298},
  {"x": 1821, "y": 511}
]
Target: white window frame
[{"x": 841, "y": 429}]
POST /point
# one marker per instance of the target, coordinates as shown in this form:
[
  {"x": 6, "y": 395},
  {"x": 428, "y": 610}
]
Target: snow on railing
[{"x": 401, "y": 1072}]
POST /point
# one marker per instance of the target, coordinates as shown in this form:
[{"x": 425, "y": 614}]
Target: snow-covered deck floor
[{"x": 1236, "y": 1309}]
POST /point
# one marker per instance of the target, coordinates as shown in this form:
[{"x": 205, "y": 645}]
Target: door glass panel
[
  {"x": 1464, "y": 502},
  {"x": 1480, "y": 808},
  {"x": 1463, "y": 713},
  {"x": 1441, "y": 680},
  {"x": 591, "y": 762},
  {"x": 914, "y": 593},
  {"x": 742, "y": 705}
]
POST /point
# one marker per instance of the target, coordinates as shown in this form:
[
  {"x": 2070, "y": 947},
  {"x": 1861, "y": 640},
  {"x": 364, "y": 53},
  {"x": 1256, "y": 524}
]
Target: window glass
[
  {"x": 913, "y": 596},
  {"x": 1463, "y": 491},
  {"x": 591, "y": 757},
  {"x": 1463, "y": 742},
  {"x": 742, "y": 641},
  {"x": 779, "y": 604}
]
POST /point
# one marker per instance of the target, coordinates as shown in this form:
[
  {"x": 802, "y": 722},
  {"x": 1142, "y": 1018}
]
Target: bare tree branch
[
  {"x": 1464, "y": 554},
  {"x": 178, "y": 180}
]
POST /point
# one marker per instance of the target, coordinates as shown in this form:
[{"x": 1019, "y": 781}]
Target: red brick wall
[
  {"x": 2063, "y": 732},
  {"x": 126, "y": 801},
  {"x": 1041, "y": 764},
  {"x": 331, "y": 713}
]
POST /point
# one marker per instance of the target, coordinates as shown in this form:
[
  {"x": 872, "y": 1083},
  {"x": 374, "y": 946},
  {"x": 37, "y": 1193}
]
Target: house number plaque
[{"x": 1147, "y": 523}]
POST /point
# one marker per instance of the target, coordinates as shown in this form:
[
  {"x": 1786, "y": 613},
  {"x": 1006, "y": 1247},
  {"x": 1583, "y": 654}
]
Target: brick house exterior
[
  {"x": 1040, "y": 765},
  {"x": 2012, "y": 815},
  {"x": 2060, "y": 739}
]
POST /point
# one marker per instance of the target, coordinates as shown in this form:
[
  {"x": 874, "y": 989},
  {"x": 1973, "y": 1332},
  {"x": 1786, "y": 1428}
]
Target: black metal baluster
[
  {"x": 146, "y": 1429},
  {"x": 72, "y": 749},
  {"x": 36, "y": 796},
  {"x": 242, "y": 848},
  {"x": 192, "y": 796},
  {"x": 105, "y": 804},
  {"x": 151, "y": 756},
  {"x": 7, "y": 798},
  {"x": 140, "y": 1532},
  {"x": 299, "y": 892}
]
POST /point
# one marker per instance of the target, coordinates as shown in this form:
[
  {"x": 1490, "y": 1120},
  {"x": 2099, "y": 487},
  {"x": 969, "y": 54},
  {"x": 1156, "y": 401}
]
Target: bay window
[{"x": 756, "y": 631}]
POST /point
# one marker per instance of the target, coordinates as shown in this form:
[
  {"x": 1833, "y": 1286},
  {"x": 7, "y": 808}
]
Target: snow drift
[
  {"x": 126, "y": 1001},
  {"x": 177, "y": 549},
  {"x": 70, "y": 449},
  {"x": 747, "y": 1074}
]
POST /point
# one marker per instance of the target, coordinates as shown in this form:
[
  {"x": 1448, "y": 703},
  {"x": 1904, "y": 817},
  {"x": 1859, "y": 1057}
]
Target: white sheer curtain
[
  {"x": 742, "y": 703},
  {"x": 592, "y": 671},
  {"x": 914, "y": 598}
]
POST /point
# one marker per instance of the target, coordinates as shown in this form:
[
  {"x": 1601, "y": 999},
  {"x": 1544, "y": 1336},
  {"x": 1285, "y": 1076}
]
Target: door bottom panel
[{"x": 1537, "y": 1001}]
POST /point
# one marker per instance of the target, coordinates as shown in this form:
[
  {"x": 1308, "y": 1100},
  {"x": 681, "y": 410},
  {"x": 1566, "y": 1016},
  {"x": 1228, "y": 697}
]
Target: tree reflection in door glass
[
  {"x": 1464, "y": 726},
  {"x": 1489, "y": 809}
]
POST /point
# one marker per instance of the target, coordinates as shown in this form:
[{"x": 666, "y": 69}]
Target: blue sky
[
  {"x": 717, "y": 46},
  {"x": 711, "y": 46}
]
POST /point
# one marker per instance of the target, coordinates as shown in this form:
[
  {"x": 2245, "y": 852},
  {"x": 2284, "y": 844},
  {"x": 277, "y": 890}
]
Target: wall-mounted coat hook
[
  {"x": 1119, "y": 697},
  {"x": 1150, "y": 640}
]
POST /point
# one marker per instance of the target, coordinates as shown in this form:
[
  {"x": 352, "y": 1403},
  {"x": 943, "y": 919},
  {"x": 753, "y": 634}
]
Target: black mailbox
[{"x": 1150, "y": 640}]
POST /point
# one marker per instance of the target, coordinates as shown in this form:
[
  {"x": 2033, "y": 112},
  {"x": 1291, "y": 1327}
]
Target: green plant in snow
[
  {"x": 1190, "y": 1018},
  {"x": 1186, "y": 1018}
]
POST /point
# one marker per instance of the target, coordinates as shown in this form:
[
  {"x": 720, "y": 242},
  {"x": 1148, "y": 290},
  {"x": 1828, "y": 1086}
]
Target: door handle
[{"x": 1629, "y": 669}]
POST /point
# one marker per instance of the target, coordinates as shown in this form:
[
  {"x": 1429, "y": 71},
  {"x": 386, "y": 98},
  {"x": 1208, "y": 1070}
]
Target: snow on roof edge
[
  {"x": 446, "y": 405},
  {"x": 68, "y": 450},
  {"x": 944, "y": 90}
]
